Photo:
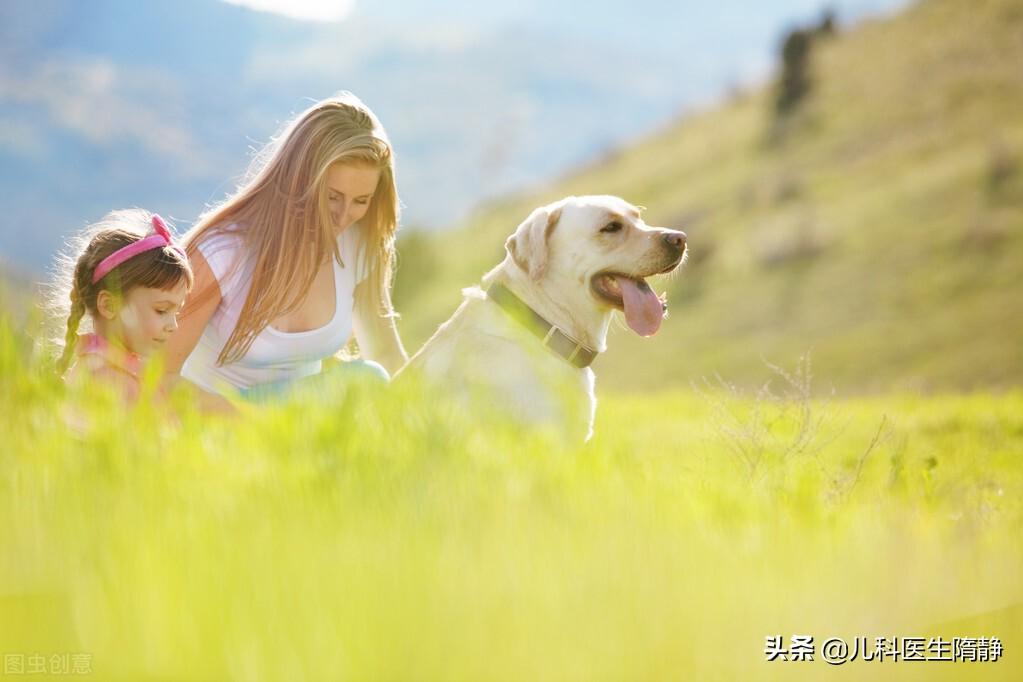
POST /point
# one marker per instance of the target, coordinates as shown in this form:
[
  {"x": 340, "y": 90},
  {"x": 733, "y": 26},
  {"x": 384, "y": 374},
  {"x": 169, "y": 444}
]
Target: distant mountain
[
  {"x": 879, "y": 227},
  {"x": 116, "y": 103}
]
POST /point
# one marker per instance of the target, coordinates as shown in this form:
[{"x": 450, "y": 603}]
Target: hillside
[{"x": 881, "y": 229}]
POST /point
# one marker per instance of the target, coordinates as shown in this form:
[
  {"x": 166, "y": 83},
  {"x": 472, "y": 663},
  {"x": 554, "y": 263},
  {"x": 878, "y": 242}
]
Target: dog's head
[{"x": 601, "y": 245}]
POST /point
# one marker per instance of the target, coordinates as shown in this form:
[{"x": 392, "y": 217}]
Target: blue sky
[{"x": 118, "y": 103}]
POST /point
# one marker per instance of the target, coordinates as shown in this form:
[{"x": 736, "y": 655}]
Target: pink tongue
[{"x": 643, "y": 310}]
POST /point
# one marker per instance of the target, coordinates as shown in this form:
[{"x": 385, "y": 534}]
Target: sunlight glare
[{"x": 304, "y": 10}]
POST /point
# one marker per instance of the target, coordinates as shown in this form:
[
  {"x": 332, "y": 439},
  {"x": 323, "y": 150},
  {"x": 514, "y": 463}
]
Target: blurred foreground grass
[{"x": 384, "y": 535}]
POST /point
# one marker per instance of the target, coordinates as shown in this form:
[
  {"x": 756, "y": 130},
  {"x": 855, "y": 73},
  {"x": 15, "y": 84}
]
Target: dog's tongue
[{"x": 643, "y": 310}]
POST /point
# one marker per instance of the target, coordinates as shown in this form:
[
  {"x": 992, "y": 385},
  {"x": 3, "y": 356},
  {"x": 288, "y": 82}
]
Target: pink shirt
[{"x": 107, "y": 363}]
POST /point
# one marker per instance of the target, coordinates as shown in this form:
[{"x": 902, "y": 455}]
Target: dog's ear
[{"x": 528, "y": 246}]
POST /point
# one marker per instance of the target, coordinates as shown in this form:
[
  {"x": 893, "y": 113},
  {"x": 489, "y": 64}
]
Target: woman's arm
[
  {"x": 376, "y": 333},
  {"x": 199, "y": 308},
  {"x": 209, "y": 403}
]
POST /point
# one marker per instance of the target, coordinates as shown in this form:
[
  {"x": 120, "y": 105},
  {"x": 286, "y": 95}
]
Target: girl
[
  {"x": 131, "y": 280},
  {"x": 297, "y": 260}
]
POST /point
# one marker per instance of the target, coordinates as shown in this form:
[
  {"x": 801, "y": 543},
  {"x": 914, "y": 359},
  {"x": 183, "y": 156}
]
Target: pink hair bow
[{"x": 160, "y": 239}]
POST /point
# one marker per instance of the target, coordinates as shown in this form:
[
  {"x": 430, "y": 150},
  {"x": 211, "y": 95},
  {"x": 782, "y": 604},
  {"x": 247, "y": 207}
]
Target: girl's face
[
  {"x": 350, "y": 188},
  {"x": 145, "y": 318}
]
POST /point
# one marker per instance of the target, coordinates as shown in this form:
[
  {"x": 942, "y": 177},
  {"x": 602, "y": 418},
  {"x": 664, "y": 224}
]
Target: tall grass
[{"x": 369, "y": 534}]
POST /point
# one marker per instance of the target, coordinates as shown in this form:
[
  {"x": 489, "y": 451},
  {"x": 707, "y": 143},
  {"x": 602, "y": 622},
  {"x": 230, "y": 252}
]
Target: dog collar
[{"x": 553, "y": 338}]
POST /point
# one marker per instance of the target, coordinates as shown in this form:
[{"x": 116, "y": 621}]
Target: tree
[{"x": 795, "y": 76}]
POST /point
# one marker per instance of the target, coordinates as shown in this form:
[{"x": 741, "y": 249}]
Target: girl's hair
[
  {"x": 282, "y": 213},
  {"x": 75, "y": 293}
]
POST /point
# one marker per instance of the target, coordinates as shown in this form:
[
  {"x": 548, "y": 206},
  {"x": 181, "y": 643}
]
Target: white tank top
[{"x": 274, "y": 355}]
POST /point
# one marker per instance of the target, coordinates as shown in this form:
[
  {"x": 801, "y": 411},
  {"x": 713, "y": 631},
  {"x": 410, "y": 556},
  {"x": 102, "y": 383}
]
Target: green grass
[
  {"x": 364, "y": 534},
  {"x": 369, "y": 534},
  {"x": 911, "y": 281}
]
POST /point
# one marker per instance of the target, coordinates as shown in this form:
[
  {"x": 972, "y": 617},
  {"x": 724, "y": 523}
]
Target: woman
[{"x": 296, "y": 260}]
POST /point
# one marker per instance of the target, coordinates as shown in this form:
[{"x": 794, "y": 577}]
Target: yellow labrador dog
[{"x": 525, "y": 339}]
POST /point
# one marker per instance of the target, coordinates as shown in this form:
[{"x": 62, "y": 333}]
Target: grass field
[{"x": 370, "y": 534}]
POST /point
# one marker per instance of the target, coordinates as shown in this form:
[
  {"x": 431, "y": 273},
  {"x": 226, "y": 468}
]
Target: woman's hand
[
  {"x": 208, "y": 403},
  {"x": 375, "y": 331}
]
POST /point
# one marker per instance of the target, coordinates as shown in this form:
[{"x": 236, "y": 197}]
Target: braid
[{"x": 71, "y": 336}]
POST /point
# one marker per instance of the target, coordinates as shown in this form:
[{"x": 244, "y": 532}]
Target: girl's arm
[
  {"x": 199, "y": 308},
  {"x": 377, "y": 334}
]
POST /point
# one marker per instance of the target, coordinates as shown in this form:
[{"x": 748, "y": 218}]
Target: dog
[{"x": 524, "y": 339}]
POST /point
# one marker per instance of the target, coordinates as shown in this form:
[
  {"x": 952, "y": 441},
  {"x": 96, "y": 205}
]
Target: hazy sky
[
  {"x": 748, "y": 27},
  {"x": 480, "y": 98},
  {"x": 306, "y": 10},
  {"x": 739, "y": 10}
]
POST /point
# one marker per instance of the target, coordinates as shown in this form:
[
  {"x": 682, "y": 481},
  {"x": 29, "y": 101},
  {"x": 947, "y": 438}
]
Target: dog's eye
[{"x": 613, "y": 226}]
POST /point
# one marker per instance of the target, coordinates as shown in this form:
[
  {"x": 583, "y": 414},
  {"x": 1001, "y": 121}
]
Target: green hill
[{"x": 880, "y": 228}]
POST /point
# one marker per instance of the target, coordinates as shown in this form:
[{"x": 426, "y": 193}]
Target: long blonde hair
[{"x": 282, "y": 213}]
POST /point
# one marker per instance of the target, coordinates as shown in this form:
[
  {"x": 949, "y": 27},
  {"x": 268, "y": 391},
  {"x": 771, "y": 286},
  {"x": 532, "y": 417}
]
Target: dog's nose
[{"x": 675, "y": 240}]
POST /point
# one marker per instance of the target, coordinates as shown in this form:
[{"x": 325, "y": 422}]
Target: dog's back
[{"x": 483, "y": 355}]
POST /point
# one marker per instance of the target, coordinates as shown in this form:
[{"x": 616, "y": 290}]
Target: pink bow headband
[{"x": 159, "y": 240}]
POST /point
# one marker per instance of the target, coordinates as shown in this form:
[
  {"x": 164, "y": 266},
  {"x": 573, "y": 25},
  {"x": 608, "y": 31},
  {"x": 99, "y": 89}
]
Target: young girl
[{"x": 131, "y": 280}]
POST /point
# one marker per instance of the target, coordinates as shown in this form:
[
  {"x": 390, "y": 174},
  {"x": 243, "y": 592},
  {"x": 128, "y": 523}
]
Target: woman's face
[{"x": 350, "y": 188}]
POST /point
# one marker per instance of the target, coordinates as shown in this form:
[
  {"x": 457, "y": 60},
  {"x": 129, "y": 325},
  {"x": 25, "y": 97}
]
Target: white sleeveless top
[{"x": 274, "y": 355}]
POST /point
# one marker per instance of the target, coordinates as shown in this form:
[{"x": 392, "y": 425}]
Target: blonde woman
[{"x": 296, "y": 260}]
